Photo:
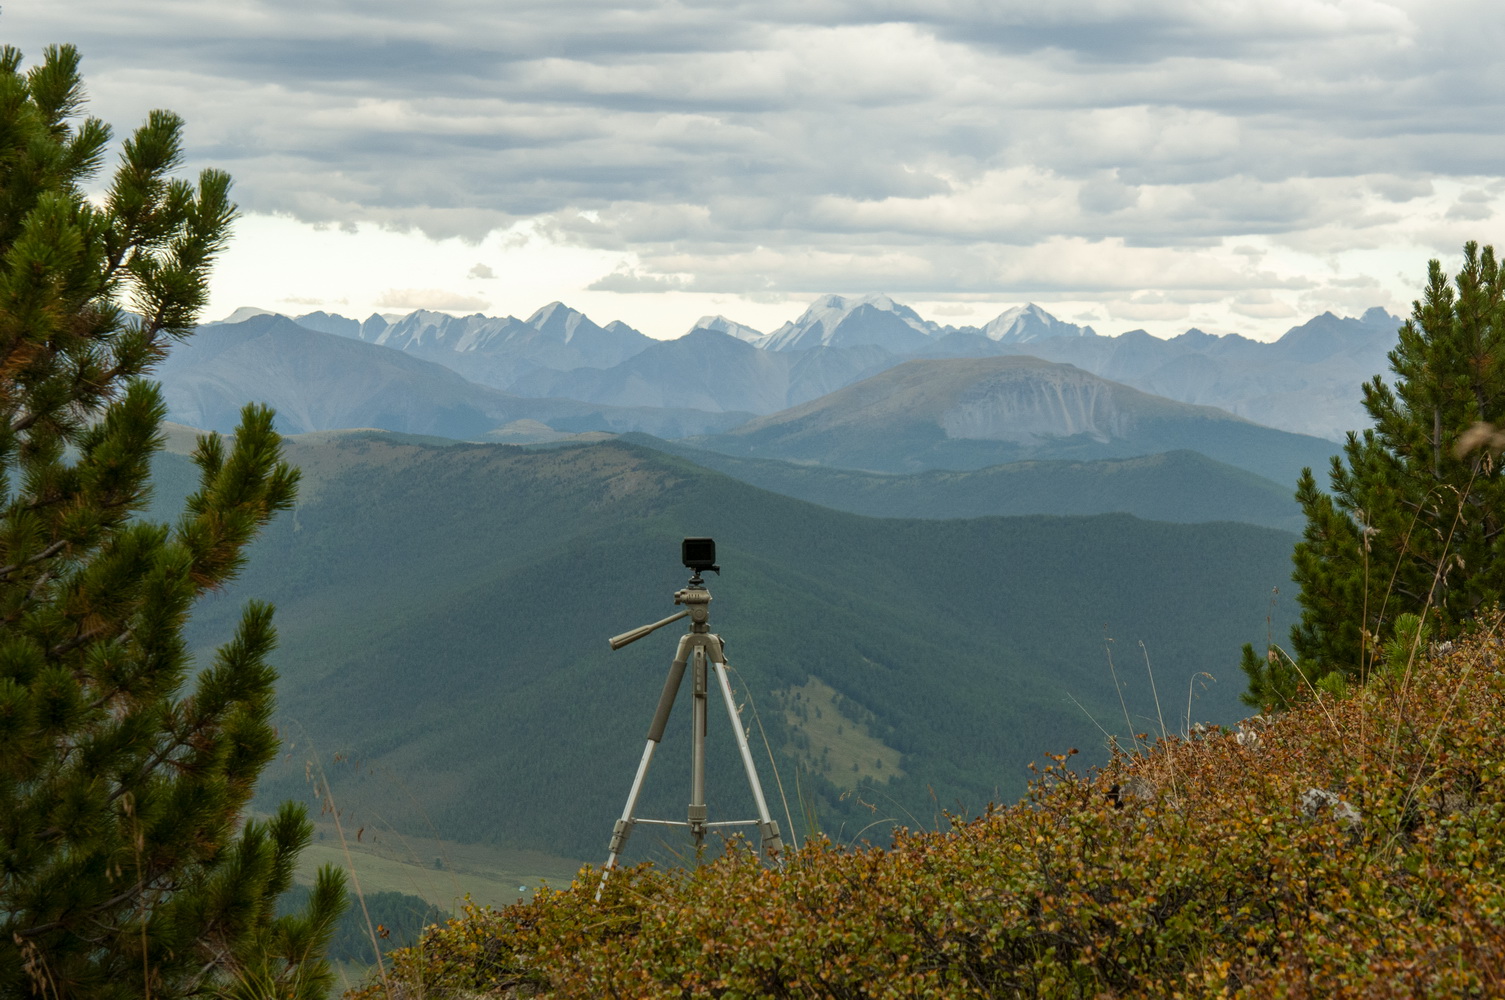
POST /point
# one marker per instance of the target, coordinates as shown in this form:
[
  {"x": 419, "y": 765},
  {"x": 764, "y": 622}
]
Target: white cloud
[
  {"x": 1147, "y": 305},
  {"x": 627, "y": 280},
  {"x": 1260, "y": 304},
  {"x": 668, "y": 150},
  {"x": 408, "y": 299}
]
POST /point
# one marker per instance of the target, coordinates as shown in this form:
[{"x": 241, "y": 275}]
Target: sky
[{"x": 1233, "y": 165}]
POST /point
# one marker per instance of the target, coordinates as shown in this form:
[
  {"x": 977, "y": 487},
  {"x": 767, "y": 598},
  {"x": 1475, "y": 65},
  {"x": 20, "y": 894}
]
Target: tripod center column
[{"x": 700, "y": 686}]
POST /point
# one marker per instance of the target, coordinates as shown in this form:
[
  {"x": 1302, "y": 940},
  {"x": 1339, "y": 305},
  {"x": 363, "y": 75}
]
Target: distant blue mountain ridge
[{"x": 1307, "y": 382}]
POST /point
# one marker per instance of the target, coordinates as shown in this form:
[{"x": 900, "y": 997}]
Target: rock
[
  {"x": 1315, "y": 800},
  {"x": 1136, "y": 788}
]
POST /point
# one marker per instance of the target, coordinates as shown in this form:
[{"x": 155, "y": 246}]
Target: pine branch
[{"x": 47, "y": 553}]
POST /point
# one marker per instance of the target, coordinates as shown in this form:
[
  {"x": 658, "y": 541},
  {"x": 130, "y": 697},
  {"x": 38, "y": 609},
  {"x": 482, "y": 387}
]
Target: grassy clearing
[
  {"x": 437, "y": 871},
  {"x": 836, "y": 746}
]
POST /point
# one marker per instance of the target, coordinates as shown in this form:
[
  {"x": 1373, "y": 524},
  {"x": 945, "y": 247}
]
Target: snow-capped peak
[
  {"x": 830, "y": 310},
  {"x": 721, "y": 324},
  {"x": 559, "y": 319},
  {"x": 833, "y": 320},
  {"x": 1026, "y": 323}
]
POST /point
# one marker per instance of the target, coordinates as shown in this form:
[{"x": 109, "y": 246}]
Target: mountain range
[
  {"x": 714, "y": 371},
  {"x": 933, "y": 536},
  {"x": 924, "y": 413},
  {"x": 493, "y": 351},
  {"x": 1305, "y": 382},
  {"x": 321, "y": 381}
]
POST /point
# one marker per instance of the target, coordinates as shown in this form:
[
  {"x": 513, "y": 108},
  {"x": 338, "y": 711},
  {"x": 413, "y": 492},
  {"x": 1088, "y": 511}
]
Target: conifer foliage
[
  {"x": 1409, "y": 541},
  {"x": 125, "y": 868}
]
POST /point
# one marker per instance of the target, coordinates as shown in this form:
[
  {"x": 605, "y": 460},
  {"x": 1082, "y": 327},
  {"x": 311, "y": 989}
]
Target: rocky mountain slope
[{"x": 971, "y": 413}]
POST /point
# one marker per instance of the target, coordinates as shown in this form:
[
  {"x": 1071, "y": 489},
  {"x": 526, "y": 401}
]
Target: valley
[{"x": 443, "y": 611}]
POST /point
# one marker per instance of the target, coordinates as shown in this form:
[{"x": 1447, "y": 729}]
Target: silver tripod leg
[
  {"x": 773, "y": 844},
  {"x": 623, "y": 828}
]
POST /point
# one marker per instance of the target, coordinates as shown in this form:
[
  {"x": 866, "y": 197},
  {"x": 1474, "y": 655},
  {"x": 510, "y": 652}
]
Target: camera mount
[{"x": 701, "y": 651}]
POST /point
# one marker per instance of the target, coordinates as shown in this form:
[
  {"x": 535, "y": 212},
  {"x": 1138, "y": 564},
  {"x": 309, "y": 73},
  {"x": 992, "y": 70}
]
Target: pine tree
[
  {"x": 1409, "y": 540},
  {"x": 126, "y": 868}
]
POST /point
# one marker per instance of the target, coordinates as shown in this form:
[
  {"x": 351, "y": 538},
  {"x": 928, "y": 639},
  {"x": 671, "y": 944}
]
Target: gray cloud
[
  {"x": 913, "y": 138},
  {"x": 634, "y": 281},
  {"x": 408, "y": 299},
  {"x": 1469, "y": 211}
]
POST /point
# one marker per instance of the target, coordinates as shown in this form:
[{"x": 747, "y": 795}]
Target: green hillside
[
  {"x": 444, "y": 611},
  {"x": 973, "y": 413},
  {"x": 1183, "y": 486}
]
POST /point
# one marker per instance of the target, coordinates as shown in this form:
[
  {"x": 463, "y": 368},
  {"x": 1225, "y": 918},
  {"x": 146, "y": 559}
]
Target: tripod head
[{"x": 698, "y": 555}]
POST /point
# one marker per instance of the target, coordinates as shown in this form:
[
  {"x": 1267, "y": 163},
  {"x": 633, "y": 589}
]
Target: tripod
[{"x": 699, "y": 650}]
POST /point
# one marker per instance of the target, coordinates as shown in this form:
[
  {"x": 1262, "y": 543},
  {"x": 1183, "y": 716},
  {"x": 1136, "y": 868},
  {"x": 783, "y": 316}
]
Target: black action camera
[{"x": 699, "y": 554}]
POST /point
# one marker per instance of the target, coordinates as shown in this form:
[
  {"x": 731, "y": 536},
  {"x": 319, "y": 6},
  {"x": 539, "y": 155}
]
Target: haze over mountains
[
  {"x": 1182, "y": 486},
  {"x": 319, "y": 381},
  {"x": 1306, "y": 382},
  {"x": 912, "y": 415}
]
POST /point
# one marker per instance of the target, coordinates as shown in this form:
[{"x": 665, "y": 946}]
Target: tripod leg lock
[
  {"x": 773, "y": 844},
  {"x": 619, "y": 834}
]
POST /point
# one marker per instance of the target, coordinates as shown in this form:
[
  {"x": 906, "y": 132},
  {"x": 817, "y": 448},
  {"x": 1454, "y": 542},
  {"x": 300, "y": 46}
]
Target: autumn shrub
[{"x": 1353, "y": 847}]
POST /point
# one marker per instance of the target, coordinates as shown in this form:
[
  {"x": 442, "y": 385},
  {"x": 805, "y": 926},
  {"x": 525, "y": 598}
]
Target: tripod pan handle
[{"x": 618, "y": 641}]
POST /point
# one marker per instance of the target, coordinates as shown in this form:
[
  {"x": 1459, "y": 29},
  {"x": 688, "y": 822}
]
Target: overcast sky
[{"x": 1237, "y": 166}]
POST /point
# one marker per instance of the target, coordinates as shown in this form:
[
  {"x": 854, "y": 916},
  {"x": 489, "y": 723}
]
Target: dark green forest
[
  {"x": 1183, "y": 486},
  {"x": 378, "y": 921}
]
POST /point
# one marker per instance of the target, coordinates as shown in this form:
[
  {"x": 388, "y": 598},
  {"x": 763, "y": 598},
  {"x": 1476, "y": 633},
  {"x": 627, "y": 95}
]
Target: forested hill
[
  {"x": 1184, "y": 486},
  {"x": 444, "y": 611},
  {"x": 977, "y": 412}
]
